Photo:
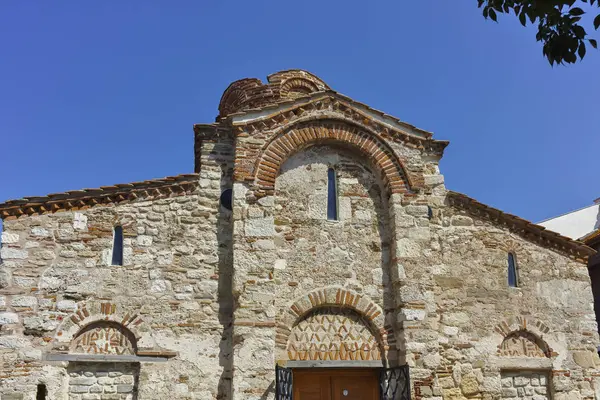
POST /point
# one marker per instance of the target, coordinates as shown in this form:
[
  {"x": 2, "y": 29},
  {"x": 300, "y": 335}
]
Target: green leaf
[
  {"x": 597, "y": 21},
  {"x": 594, "y": 43},
  {"x": 579, "y": 31},
  {"x": 576, "y": 11},
  {"x": 581, "y": 50},
  {"x": 493, "y": 15}
]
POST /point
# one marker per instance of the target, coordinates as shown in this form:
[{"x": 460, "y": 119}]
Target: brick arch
[
  {"x": 334, "y": 297},
  {"x": 93, "y": 313},
  {"x": 104, "y": 337},
  {"x": 304, "y": 135},
  {"x": 527, "y": 329}
]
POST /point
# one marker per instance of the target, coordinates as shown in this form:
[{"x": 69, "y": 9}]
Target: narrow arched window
[
  {"x": 512, "y": 271},
  {"x": 332, "y": 195},
  {"x": 41, "y": 392},
  {"x": 117, "y": 251}
]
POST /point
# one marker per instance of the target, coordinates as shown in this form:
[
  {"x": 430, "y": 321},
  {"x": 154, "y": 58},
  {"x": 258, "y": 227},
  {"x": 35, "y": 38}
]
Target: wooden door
[{"x": 342, "y": 384}]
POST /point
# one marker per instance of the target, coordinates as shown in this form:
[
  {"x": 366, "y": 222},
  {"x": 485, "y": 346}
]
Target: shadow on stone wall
[{"x": 225, "y": 288}]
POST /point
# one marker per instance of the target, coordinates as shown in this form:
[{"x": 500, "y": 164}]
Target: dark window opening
[
  {"x": 227, "y": 199},
  {"x": 512, "y": 271},
  {"x": 117, "y": 252},
  {"x": 41, "y": 392},
  {"x": 332, "y": 195},
  {"x": 429, "y": 212}
]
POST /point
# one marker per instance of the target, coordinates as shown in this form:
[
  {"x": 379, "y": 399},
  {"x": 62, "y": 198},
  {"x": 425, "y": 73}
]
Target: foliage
[{"x": 558, "y": 24}]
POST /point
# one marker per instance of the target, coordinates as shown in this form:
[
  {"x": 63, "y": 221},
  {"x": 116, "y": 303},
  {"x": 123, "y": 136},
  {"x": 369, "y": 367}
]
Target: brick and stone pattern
[
  {"x": 103, "y": 381},
  {"x": 176, "y": 280},
  {"x": 335, "y": 334},
  {"x": 526, "y": 385},
  {"x": 409, "y": 266}
]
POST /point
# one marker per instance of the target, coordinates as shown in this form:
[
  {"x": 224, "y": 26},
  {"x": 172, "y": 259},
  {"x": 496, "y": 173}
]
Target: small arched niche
[
  {"x": 523, "y": 344},
  {"x": 334, "y": 334},
  {"x": 104, "y": 337}
]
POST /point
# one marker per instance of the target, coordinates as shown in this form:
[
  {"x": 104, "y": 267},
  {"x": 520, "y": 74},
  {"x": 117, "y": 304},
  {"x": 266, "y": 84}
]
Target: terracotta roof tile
[{"x": 88, "y": 197}]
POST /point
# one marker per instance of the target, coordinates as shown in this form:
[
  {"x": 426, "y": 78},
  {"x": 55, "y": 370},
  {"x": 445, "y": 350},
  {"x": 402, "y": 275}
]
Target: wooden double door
[{"x": 338, "y": 384}]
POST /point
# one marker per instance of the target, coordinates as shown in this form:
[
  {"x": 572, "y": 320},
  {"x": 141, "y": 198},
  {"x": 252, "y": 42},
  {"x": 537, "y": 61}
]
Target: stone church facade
[{"x": 316, "y": 235}]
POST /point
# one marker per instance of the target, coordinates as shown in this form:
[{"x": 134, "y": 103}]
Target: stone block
[
  {"x": 124, "y": 388},
  {"x": 260, "y": 227},
  {"x": 7, "y": 318},
  {"x": 408, "y": 314},
  {"x": 507, "y": 382},
  {"x": 9, "y": 238},
  {"x": 160, "y": 286},
  {"x": 417, "y": 210},
  {"x": 24, "y": 301},
  {"x": 407, "y": 248},
  {"x": 80, "y": 221},
  {"x": 105, "y": 380},
  {"x": 85, "y": 381},
  {"x": 461, "y": 220},
  {"x": 509, "y": 392},
  {"x": 66, "y": 306},
  {"x": 12, "y": 396},
  {"x": 586, "y": 359},
  {"x": 40, "y": 232},
  {"x": 78, "y": 389},
  {"x": 452, "y": 394},
  {"x": 469, "y": 385},
  {"x": 9, "y": 253},
  {"x": 144, "y": 241},
  {"x": 96, "y": 389},
  {"x": 456, "y": 318},
  {"x": 521, "y": 381}
]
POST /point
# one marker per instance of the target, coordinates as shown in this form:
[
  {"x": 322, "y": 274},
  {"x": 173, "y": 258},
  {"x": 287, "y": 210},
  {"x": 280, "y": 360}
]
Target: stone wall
[
  {"x": 405, "y": 275},
  {"x": 529, "y": 385},
  {"x": 473, "y": 325},
  {"x": 175, "y": 282},
  {"x": 103, "y": 381}
]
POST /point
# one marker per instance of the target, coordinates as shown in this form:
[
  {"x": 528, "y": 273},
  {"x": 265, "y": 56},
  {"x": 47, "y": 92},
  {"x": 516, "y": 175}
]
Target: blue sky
[{"x": 97, "y": 93}]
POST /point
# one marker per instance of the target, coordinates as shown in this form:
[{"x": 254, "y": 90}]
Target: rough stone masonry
[{"x": 235, "y": 268}]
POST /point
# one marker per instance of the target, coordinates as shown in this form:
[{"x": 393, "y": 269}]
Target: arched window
[
  {"x": 513, "y": 280},
  {"x": 332, "y": 195},
  {"x": 117, "y": 251}
]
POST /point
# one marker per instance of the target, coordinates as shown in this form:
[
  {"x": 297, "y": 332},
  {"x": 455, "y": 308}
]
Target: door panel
[
  {"x": 312, "y": 387},
  {"x": 349, "y": 384},
  {"x": 355, "y": 388}
]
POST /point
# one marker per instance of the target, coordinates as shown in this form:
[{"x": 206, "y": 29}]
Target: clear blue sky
[{"x": 96, "y": 93}]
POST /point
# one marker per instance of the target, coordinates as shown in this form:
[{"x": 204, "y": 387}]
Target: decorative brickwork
[
  {"x": 302, "y": 136},
  {"x": 333, "y": 333},
  {"x": 250, "y": 93},
  {"x": 352, "y": 327},
  {"x": 523, "y": 344},
  {"x": 104, "y": 338},
  {"x": 100, "y": 328}
]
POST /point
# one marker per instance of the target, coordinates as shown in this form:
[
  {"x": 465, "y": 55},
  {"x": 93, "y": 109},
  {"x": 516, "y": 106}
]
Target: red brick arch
[
  {"x": 338, "y": 297},
  {"x": 305, "y": 135}
]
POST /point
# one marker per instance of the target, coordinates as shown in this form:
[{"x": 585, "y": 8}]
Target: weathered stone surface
[
  {"x": 8, "y": 318},
  {"x": 400, "y": 274}
]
